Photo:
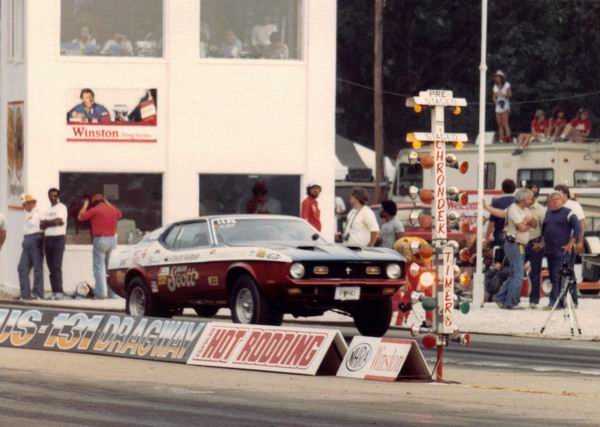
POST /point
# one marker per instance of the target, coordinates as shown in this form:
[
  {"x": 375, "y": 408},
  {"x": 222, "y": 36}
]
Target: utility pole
[{"x": 378, "y": 100}]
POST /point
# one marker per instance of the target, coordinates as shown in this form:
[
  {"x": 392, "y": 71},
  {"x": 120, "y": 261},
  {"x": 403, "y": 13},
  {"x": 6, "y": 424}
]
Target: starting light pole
[{"x": 443, "y": 292}]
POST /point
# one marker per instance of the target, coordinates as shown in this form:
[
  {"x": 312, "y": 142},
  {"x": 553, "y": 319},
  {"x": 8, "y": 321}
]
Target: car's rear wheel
[
  {"x": 249, "y": 306},
  {"x": 140, "y": 302},
  {"x": 372, "y": 318},
  {"x": 206, "y": 310}
]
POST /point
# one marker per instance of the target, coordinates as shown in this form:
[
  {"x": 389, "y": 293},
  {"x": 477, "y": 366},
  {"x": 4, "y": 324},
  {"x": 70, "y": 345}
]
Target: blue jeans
[
  {"x": 555, "y": 263},
  {"x": 31, "y": 257},
  {"x": 103, "y": 246},
  {"x": 510, "y": 293},
  {"x": 535, "y": 275}
]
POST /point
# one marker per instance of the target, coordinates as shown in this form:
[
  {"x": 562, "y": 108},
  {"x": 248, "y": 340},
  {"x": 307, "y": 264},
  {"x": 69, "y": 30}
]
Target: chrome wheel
[
  {"x": 244, "y": 305},
  {"x": 137, "y": 302}
]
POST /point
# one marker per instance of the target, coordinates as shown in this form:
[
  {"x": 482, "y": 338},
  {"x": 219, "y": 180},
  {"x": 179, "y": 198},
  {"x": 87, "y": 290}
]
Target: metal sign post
[{"x": 443, "y": 324}]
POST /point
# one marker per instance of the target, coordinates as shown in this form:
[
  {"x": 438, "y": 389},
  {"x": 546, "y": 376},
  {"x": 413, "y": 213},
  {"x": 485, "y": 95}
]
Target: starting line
[{"x": 304, "y": 351}]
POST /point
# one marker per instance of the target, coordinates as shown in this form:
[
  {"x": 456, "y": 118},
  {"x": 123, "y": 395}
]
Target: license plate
[{"x": 347, "y": 293}]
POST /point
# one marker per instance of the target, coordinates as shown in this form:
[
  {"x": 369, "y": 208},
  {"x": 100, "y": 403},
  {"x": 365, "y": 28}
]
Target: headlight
[
  {"x": 393, "y": 271},
  {"x": 297, "y": 270}
]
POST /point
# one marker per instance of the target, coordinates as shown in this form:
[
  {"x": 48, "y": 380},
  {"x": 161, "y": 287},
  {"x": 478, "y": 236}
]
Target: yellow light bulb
[
  {"x": 418, "y": 108},
  {"x": 457, "y": 111},
  {"x": 459, "y": 145},
  {"x": 410, "y": 137},
  {"x": 416, "y": 144}
]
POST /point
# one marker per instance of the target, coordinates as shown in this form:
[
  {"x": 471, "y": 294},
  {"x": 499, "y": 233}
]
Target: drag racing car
[{"x": 261, "y": 267}]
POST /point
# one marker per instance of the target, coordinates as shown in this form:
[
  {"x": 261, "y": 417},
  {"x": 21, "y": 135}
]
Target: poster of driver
[
  {"x": 112, "y": 115},
  {"x": 16, "y": 153}
]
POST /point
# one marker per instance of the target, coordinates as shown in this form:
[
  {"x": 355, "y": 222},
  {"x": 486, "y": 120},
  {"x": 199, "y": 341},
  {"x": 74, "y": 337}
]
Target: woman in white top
[
  {"x": 361, "y": 228},
  {"x": 501, "y": 95}
]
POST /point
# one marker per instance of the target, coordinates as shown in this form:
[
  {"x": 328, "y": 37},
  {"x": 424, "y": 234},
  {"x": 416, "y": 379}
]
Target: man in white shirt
[
  {"x": 31, "y": 256},
  {"x": 261, "y": 34},
  {"x": 362, "y": 228},
  {"x": 2, "y": 231},
  {"x": 54, "y": 225},
  {"x": 519, "y": 223},
  {"x": 577, "y": 210}
]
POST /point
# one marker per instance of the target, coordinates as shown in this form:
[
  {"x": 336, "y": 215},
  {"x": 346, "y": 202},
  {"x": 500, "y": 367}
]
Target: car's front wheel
[
  {"x": 372, "y": 318},
  {"x": 248, "y": 305},
  {"x": 139, "y": 301},
  {"x": 206, "y": 310}
]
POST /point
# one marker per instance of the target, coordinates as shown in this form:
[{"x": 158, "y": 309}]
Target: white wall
[{"x": 215, "y": 116}]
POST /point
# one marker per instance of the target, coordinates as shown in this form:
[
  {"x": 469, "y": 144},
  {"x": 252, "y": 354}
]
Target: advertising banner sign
[
  {"x": 384, "y": 359},
  {"x": 303, "y": 351},
  {"x": 112, "y": 115},
  {"x": 99, "y": 333},
  {"x": 15, "y": 152}
]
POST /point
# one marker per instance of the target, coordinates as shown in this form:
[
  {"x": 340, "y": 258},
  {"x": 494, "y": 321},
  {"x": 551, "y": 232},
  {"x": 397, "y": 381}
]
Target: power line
[{"x": 530, "y": 101}]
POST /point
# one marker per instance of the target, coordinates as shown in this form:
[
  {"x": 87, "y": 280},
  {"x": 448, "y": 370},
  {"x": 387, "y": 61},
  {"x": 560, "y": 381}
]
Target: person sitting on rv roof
[
  {"x": 540, "y": 129},
  {"x": 495, "y": 231},
  {"x": 579, "y": 128},
  {"x": 557, "y": 123}
]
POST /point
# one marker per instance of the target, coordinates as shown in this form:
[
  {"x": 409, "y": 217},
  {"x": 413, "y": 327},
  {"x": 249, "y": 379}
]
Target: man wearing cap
[
  {"x": 310, "y": 206},
  {"x": 31, "y": 255},
  {"x": 103, "y": 217}
]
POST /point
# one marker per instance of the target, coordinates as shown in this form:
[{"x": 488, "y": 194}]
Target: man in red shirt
[
  {"x": 579, "y": 128},
  {"x": 103, "y": 217},
  {"x": 310, "y": 206}
]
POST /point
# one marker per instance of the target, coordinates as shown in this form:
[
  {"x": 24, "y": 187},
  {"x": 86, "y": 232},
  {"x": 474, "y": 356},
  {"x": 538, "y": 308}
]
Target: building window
[
  {"x": 138, "y": 196},
  {"x": 587, "y": 179},
  {"x": 267, "y": 29},
  {"x": 543, "y": 178},
  {"x": 490, "y": 176},
  {"x": 112, "y": 28},
  {"x": 266, "y": 194},
  {"x": 16, "y": 31}
]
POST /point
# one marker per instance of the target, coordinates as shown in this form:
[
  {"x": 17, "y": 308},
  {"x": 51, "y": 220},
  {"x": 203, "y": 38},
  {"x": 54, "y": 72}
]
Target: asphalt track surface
[{"x": 32, "y": 398}]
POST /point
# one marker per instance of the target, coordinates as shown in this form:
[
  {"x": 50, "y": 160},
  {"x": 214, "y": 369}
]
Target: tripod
[{"x": 568, "y": 283}]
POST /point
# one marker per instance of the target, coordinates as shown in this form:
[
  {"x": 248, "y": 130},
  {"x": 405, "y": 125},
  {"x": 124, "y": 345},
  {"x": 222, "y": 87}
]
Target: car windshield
[{"x": 236, "y": 231}]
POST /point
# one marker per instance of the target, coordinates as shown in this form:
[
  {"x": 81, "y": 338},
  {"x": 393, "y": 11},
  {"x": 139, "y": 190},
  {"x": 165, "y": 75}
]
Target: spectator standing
[
  {"x": 391, "y": 228},
  {"x": 519, "y": 222},
  {"x": 260, "y": 202},
  {"x": 501, "y": 95},
  {"x": 560, "y": 231},
  {"x": 54, "y": 224},
  {"x": 31, "y": 255},
  {"x": 2, "y": 231},
  {"x": 362, "y": 228},
  {"x": 340, "y": 211},
  {"x": 495, "y": 231},
  {"x": 86, "y": 42},
  {"x": 579, "y": 128},
  {"x": 232, "y": 46},
  {"x": 310, "y": 206},
  {"x": 576, "y": 208},
  {"x": 103, "y": 217},
  {"x": 534, "y": 253},
  {"x": 557, "y": 124},
  {"x": 261, "y": 33}
]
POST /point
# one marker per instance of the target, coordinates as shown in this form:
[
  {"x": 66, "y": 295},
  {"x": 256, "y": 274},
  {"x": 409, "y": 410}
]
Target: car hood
[{"x": 329, "y": 252}]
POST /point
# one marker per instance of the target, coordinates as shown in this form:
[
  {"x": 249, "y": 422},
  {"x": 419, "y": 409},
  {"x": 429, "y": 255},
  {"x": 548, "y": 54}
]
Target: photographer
[
  {"x": 560, "y": 230},
  {"x": 519, "y": 222}
]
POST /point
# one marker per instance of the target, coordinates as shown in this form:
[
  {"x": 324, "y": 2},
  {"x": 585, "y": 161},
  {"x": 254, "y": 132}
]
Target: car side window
[
  {"x": 171, "y": 237},
  {"x": 193, "y": 235}
]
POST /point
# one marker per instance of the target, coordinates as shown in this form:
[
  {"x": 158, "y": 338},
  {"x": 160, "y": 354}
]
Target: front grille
[{"x": 344, "y": 270}]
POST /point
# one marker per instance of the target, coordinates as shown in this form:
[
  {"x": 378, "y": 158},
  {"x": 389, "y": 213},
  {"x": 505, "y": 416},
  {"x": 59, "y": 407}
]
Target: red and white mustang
[{"x": 261, "y": 267}]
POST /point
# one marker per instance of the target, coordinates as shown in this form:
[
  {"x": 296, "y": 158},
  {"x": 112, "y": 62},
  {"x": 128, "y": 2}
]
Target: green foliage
[{"x": 548, "y": 48}]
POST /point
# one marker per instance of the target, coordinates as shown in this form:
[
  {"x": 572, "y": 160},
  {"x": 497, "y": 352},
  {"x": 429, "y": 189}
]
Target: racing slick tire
[
  {"x": 206, "y": 310},
  {"x": 140, "y": 302},
  {"x": 249, "y": 306},
  {"x": 372, "y": 318}
]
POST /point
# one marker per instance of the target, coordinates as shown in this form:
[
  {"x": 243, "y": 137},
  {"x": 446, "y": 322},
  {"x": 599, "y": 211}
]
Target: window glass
[
  {"x": 587, "y": 179},
  {"x": 249, "y": 231},
  {"x": 16, "y": 33},
  {"x": 111, "y": 28},
  {"x": 193, "y": 235},
  {"x": 138, "y": 196},
  {"x": 543, "y": 178},
  {"x": 171, "y": 236},
  {"x": 264, "y": 194},
  {"x": 490, "y": 176},
  {"x": 268, "y": 29}
]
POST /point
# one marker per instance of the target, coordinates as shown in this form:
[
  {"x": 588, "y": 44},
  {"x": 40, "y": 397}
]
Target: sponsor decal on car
[
  {"x": 292, "y": 350},
  {"x": 182, "y": 277},
  {"x": 115, "y": 335},
  {"x": 213, "y": 280}
]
